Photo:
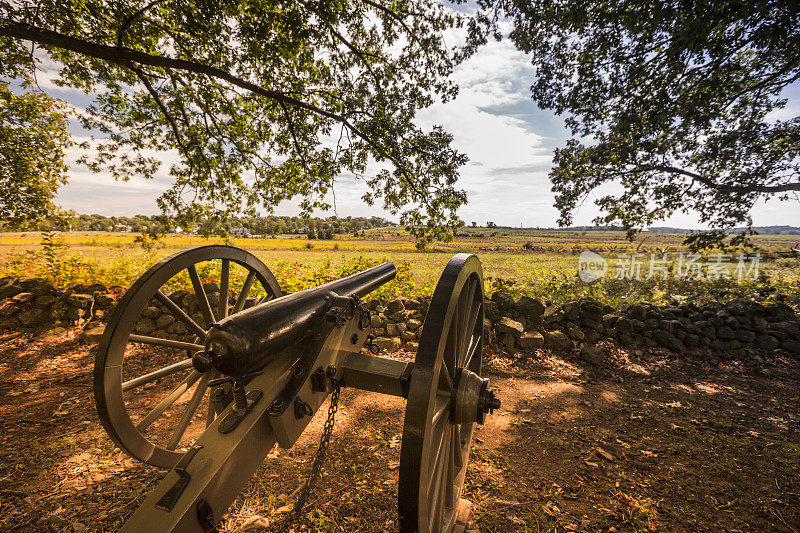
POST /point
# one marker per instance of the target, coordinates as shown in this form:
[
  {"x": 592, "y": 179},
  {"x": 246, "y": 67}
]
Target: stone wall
[{"x": 736, "y": 328}]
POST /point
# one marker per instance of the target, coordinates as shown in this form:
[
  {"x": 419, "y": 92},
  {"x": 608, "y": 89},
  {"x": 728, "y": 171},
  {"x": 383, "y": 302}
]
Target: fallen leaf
[
  {"x": 254, "y": 523},
  {"x": 393, "y": 464},
  {"x": 394, "y": 442},
  {"x": 604, "y": 454}
]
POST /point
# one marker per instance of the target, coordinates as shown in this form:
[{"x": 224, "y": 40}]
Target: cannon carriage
[{"x": 262, "y": 370}]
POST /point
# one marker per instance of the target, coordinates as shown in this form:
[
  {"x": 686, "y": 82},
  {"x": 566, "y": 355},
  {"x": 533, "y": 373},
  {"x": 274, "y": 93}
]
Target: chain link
[{"x": 316, "y": 467}]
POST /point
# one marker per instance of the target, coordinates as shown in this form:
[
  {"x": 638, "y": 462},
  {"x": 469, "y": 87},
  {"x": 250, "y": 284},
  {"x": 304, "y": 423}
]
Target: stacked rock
[
  {"x": 397, "y": 323},
  {"x": 733, "y": 328}
]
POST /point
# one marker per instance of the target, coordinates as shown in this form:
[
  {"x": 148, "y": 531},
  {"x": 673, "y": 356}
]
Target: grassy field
[{"x": 537, "y": 262}]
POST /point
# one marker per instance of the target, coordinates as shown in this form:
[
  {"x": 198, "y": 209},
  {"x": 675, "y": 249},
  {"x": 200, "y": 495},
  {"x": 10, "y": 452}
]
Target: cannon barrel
[{"x": 243, "y": 343}]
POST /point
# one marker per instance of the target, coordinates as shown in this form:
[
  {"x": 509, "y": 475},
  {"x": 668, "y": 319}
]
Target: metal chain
[{"x": 316, "y": 467}]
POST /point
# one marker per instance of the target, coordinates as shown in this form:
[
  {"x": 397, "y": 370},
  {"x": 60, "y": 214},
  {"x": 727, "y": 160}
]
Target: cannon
[{"x": 262, "y": 363}]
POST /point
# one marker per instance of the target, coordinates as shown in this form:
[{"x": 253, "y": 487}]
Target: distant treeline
[
  {"x": 269, "y": 225},
  {"x": 761, "y": 230}
]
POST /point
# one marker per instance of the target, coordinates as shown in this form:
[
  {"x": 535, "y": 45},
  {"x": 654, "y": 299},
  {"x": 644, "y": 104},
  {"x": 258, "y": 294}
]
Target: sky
[{"x": 494, "y": 121}]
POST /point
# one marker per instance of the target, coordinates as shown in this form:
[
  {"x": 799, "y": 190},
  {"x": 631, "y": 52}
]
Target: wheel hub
[{"x": 472, "y": 399}]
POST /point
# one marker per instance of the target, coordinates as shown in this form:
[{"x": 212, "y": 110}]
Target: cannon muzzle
[{"x": 245, "y": 342}]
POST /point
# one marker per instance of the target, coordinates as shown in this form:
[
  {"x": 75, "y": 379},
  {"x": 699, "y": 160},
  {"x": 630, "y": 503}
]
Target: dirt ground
[{"x": 644, "y": 442}]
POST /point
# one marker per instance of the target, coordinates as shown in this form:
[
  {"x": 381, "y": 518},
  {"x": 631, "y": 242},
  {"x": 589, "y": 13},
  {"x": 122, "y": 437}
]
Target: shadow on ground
[{"x": 643, "y": 442}]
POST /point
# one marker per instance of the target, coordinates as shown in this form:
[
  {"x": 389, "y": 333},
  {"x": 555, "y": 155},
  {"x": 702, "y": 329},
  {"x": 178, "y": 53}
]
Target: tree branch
[
  {"x": 125, "y": 56},
  {"x": 767, "y": 189}
]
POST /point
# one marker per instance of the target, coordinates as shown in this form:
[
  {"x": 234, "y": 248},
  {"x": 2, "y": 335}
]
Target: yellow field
[{"x": 547, "y": 268}]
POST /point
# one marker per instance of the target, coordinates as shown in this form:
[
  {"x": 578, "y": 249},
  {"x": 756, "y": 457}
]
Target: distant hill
[{"x": 761, "y": 230}]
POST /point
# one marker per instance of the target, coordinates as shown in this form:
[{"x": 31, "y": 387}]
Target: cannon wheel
[
  {"x": 435, "y": 450},
  {"x": 112, "y": 379}
]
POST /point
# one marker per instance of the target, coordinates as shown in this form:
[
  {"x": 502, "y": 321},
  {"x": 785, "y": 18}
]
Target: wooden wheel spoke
[
  {"x": 157, "y": 374},
  {"x": 194, "y": 403},
  {"x": 469, "y": 334},
  {"x": 439, "y": 474},
  {"x": 202, "y": 297},
  {"x": 441, "y": 408},
  {"x": 449, "y": 478},
  {"x": 224, "y": 280},
  {"x": 474, "y": 341},
  {"x": 466, "y": 304},
  {"x": 242, "y": 298},
  {"x": 180, "y": 314},
  {"x": 448, "y": 379},
  {"x": 266, "y": 298},
  {"x": 170, "y": 399},
  {"x": 167, "y": 343},
  {"x": 459, "y": 449}
]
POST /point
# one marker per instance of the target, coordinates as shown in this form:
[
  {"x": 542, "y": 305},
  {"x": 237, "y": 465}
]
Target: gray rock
[
  {"x": 10, "y": 291},
  {"x": 779, "y": 312},
  {"x": 557, "y": 340},
  {"x": 491, "y": 310},
  {"x": 396, "y": 305},
  {"x": 410, "y": 346},
  {"x": 375, "y": 321},
  {"x": 151, "y": 312},
  {"x": 177, "y": 328},
  {"x": 213, "y": 300},
  {"x": 572, "y": 311},
  {"x": 414, "y": 324},
  {"x": 591, "y": 336},
  {"x": 791, "y": 346},
  {"x": 145, "y": 327},
  {"x": 623, "y": 325},
  {"x": 165, "y": 321},
  {"x": 508, "y": 341},
  {"x": 410, "y": 304},
  {"x": 691, "y": 340},
  {"x": 189, "y": 302},
  {"x": 744, "y": 335},
  {"x": 530, "y": 308},
  {"x": 637, "y": 312},
  {"x": 667, "y": 340},
  {"x": 506, "y": 325},
  {"x": 395, "y": 329},
  {"x": 45, "y": 300},
  {"x": 104, "y": 300},
  {"x": 503, "y": 300},
  {"x": 592, "y": 354},
  {"x": 725, "y": 333},
  {"x": 80, "y": 300},
  {"x": 575, "y": 333},
  {"x": 531, "y": 340},
  {"x": 553, "y": 313},
  {"x": 210, "y": 287},
  {"x": 31, "y": 317},
  {"x": 625, "y": 339},
  {"x": 767, "y": 342},
  {"x": 408, "y": 336},
  {"x": 92, "y": 335},
  {"x": 398, "y": 316},
  {"x": 591, "y": 309},
  {"x": 388, "y": 344},
  {"x": 198, "y": 317},
  {"x": 609, "y": 320}
]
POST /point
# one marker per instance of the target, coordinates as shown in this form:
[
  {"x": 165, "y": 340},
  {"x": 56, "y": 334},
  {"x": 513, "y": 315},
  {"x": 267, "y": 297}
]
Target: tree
[
  {"x": 33, "y": 136},
  {"x": 264, "y": 101},
  {"x": 673, "y": 102}
]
